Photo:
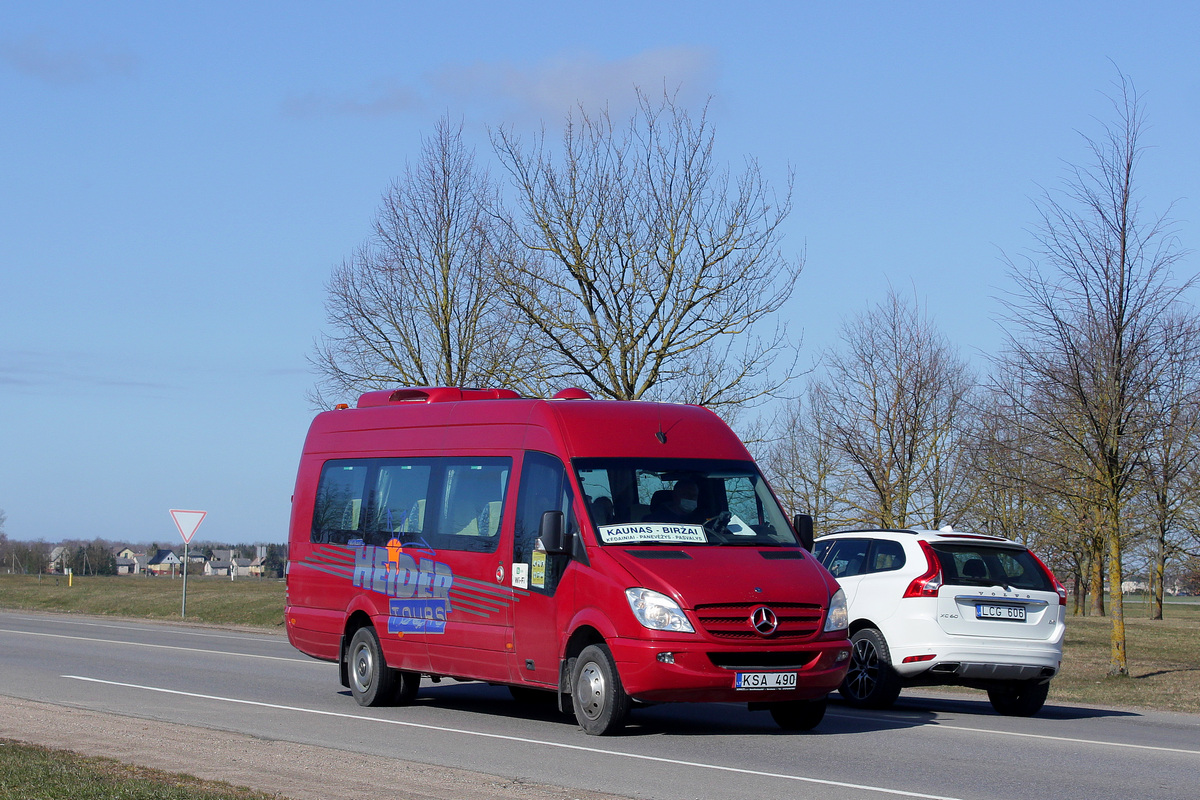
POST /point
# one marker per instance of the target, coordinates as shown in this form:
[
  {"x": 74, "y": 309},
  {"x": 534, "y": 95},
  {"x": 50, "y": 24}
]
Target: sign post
[{"x": 187, "y": 522}]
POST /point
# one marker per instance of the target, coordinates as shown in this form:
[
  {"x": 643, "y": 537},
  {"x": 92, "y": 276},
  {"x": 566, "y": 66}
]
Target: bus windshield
[{"x": 681, "y": 502}]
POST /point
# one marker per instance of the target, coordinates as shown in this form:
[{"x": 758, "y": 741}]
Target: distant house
[
  {"x": 258, "y": 567},
  {"x": 58, "y": 560},
  {"x": 127, "y": 559},
  {"x": 163, "y": 562},
  {"x": 240, "y": 567}
]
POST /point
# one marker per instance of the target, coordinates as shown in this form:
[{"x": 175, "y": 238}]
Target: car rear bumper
[{"x": 955, "y": 662}]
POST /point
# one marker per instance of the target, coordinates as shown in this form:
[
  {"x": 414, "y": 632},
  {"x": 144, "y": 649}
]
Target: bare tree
[
  {"x": 419, "y": 302},
  {"x": 646, "y": 268},
  {"x": 1005, "y": 502},
  {"x": 892, "y": 404},
  {"x": 1171, "y": 462},
  {"x": 1084, "y": 332},
  {"x": 805, "y": 470},
  {"x": 1022, "y": 477}
]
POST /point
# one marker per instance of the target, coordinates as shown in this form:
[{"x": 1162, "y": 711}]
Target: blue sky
[{"x": 178, "y": 179}]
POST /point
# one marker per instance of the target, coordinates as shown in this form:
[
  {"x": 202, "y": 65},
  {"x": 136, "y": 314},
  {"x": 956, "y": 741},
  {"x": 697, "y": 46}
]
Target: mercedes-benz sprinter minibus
[{"x": 603, "y": 552}]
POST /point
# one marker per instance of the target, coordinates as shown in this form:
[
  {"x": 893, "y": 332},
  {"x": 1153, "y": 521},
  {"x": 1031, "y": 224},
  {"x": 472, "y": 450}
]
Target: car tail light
[
  {"x": 915, "y": 659},
  {"x": 1058, "y": 587},
  {"x": 928, "y": 582}
]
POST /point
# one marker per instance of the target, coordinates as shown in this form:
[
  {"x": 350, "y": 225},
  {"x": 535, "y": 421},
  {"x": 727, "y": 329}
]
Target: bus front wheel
[{"x": 597, "y": 696}]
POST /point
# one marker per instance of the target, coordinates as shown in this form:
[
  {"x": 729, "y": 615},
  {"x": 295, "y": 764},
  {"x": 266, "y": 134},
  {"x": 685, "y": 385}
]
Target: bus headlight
[
  {"x": 658, "y": 612},
  {"x": 838, "y": 618}
]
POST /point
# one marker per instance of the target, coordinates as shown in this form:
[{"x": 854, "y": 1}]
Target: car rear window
[{"x": 989, "y": 565}]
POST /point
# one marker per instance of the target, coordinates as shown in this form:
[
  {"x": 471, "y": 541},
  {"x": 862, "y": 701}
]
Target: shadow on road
[
  {"x": 720, "y": 719},
  {"x": 968, "y": 704},
  {"x": 668, "y": 719}
]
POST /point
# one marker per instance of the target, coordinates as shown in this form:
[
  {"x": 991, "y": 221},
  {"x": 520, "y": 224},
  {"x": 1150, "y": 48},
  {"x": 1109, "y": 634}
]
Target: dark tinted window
[
  {"x": 443, "y": 503},
  {"x": 989, "y": 565},
  {"x": 886, "y": 555},
  {"x": 843, "y": 557}
]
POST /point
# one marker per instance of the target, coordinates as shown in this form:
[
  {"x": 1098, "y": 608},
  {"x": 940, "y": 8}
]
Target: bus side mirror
[
  {"x": 552, "y": 534},
  {"x": 803, "y": 524}
]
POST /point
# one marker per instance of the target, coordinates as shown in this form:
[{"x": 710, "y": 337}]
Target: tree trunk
[
  {"x": 1097, "y": 581},
  {"x": 1079, "y": 597},
  {"x": 1118, "y": 664},
  {"x": 1159, "y": 573}
]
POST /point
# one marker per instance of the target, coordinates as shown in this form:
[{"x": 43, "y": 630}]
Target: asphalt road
[{"x": 927, "y": 746}]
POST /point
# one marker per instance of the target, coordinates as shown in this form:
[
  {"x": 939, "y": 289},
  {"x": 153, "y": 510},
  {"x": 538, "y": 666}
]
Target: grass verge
[
  {"x": 28, "y": 771},
  {"x": 251, "y": 602},
  {"x": 1163, "y": 658}
]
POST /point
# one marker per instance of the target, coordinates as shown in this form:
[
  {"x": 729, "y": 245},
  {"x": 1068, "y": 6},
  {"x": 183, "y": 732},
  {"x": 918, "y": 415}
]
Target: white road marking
[
  {"x": 960, "y": 728},
  {"x": 523, "y": 740},
  {"x": 167, "y": 647},
  {"x": 935, "y": 725},
  {"x": 180, "y": 631}
]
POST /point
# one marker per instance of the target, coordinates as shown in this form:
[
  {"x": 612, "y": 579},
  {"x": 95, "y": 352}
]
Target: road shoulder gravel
[{"x": 284, "y": 768}]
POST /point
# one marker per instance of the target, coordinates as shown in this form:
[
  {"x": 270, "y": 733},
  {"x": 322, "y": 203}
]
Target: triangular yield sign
[{"x": 187, "y": 522}]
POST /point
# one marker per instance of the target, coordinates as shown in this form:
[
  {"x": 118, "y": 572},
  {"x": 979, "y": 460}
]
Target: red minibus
[{"x": 608, "y": 552}]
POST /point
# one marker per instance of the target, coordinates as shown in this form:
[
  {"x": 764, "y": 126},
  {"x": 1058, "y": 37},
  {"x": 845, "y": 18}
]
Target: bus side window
[
  {"x": 474, "y": 501},
  {"x": 338, "y": 510}
]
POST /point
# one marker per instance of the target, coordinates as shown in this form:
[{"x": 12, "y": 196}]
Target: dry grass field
[
  {"x": 250, "y": 602},
  {"x": 1164, "y": 660}
]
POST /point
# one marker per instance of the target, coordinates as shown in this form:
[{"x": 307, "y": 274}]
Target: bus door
[{"x": 543, "y": 599}]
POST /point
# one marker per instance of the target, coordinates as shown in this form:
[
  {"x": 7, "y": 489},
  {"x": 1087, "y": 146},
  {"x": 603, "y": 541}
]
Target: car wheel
[
  {"x": 372, "y": 682},
  {"x": 798, "y": 715},
  {"x": 1018, "y": 698},
  {"x": 870, "y": 682},
  {"x": 597, "y": 696}
]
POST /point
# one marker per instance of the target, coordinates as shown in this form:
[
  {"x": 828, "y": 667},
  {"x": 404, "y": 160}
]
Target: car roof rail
[{"x": 878, "y": 530}]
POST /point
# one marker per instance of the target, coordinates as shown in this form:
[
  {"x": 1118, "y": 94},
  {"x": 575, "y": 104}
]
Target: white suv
[{"x": 932, "y": 608}]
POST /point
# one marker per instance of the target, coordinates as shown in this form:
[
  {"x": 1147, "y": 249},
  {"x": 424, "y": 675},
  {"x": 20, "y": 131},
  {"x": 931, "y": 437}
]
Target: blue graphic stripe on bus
[
  {"x": 417, "y": 616},
  {"x": 500, "y": 592},
  {"x": 334, "y": 553},
  {"x": 478, "y": 609},
  {"x": 329, "y": 560},
  {"x": 330, "y": 569}
]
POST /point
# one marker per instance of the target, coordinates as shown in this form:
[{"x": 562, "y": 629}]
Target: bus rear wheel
[{"x": 372, "y": 682}]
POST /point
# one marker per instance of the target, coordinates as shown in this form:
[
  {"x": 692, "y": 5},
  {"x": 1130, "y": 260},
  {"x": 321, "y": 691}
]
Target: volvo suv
[{"x": 931, "y": 608}]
